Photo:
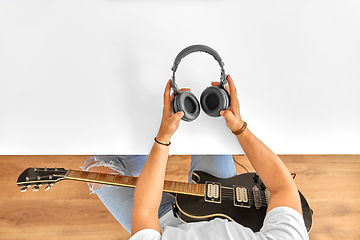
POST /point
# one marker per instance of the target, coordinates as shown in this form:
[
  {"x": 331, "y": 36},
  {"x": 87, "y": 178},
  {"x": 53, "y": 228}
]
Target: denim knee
[{"x": 101, "y": 161}]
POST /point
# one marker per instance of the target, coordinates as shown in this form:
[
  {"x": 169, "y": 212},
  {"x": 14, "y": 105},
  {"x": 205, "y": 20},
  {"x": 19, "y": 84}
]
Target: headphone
[{"x": 213, "y": 99}]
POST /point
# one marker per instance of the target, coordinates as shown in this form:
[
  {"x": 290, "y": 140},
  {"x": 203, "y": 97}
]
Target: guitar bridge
[
  {"x": 257, "y": 197},
  {"x": 212, "y": 192}
]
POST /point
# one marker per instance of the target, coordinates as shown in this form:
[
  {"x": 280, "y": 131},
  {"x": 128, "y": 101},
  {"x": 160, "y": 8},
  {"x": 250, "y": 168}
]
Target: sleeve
[
  {"x": 146, "y": 234},
  {"x": 284, "y": 223}
]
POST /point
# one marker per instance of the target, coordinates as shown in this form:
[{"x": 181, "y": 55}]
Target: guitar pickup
[
  {"x": 212, "y": 192},
  {"x": 241, "y": 198}
]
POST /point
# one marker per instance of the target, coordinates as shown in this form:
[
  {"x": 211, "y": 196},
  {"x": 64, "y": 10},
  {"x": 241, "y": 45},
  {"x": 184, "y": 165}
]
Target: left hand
[{"x": 170, "y": 121}]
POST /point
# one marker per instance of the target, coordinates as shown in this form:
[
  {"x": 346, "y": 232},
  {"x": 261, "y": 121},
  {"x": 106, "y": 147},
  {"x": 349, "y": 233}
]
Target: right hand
[{"x": 232, "y": 114}]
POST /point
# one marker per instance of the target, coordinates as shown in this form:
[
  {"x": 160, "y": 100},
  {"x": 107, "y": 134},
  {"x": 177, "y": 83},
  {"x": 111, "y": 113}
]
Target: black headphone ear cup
[
  {"x": 214, "y": 99},
  {"x": 187, "y": 102}
]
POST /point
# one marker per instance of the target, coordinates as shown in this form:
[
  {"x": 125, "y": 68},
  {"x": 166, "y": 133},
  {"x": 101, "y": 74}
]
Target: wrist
[
  {"x": 163, "y": 138},
  {"x": 240, "y": 130}
]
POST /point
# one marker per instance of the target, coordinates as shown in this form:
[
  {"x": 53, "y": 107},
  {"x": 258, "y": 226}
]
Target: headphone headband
[{"x": 197, "y": 48}]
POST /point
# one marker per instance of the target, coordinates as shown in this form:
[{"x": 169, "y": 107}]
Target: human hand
[
  {"x": 170, "y": 121},
  {"x": 232, "y": 114}
]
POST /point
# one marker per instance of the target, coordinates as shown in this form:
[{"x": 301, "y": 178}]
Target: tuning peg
[
  {"x": 35, "y": 188},
  {"x": 24, "y": 189},
  {"x": 47, "y": 188}
]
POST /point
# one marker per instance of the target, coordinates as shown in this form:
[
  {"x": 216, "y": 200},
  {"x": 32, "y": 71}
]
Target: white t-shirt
[{"x": 279, "y": 223}]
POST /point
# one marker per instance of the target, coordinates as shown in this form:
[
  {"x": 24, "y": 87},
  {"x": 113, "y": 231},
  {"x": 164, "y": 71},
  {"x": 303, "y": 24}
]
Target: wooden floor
[{"x": 331, "y": 184}]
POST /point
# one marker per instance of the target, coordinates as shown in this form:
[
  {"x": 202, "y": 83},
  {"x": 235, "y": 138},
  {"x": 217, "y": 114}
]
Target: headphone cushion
[
  {"x": 214, "y": 99},
  {"x": 187, "y": 102}
]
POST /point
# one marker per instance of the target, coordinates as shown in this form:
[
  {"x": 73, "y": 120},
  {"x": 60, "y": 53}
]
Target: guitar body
[{"x": 193, "y": 208}]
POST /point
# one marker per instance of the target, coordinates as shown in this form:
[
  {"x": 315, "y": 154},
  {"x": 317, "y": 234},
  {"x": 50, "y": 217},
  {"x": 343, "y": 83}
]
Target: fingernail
[{"x": 221, "y": 113}]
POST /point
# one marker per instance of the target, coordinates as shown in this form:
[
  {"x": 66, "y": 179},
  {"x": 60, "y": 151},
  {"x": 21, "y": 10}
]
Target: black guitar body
[{"x": 194, "y": 209}]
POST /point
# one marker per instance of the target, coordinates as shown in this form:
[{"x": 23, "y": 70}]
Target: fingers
[
  {"x": 167, "y": 93},
  {"x": 167, "y": 97},
  {"x": 217, "y": 84},
  {"x": 177, "y": 116},
  {"x": 228, "y": 115},
  {"x": 180, "y": 90},
  {"x": 231, "y": 87}
]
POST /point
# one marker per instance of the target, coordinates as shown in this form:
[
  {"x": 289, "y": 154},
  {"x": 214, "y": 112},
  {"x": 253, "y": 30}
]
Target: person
[{"x": 145, "y": 211}]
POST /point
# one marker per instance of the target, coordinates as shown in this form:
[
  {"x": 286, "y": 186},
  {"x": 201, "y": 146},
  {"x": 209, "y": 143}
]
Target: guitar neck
[{"x": 193, "y": 189}]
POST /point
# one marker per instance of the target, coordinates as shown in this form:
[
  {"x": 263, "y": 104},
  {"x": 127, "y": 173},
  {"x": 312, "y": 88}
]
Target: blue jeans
[{"x": 119, "y": 200}]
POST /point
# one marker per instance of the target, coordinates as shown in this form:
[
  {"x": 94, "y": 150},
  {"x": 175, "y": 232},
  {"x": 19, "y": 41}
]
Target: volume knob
[{"x": 35, "y": 188}]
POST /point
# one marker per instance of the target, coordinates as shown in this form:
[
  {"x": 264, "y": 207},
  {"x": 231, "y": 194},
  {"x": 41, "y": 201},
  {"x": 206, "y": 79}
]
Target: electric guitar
[{"x": 242, "y": 198}]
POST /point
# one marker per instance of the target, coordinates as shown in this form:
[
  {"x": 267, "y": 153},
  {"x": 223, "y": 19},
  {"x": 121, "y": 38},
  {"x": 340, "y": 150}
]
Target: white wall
[{"x": 87, "y": 77}]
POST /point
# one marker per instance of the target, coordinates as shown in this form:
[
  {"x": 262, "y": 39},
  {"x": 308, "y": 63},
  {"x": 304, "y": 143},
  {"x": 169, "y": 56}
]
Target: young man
[{"x": 149, "y": 207}]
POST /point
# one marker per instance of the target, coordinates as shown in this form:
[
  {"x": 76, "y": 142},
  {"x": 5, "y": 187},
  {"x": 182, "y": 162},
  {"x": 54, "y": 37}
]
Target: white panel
[{"x": 87, "y": 77}]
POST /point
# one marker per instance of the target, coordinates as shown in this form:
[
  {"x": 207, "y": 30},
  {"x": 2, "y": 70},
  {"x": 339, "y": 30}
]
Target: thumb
[
  {"x": 177, "y": 116},
  {"x": 228, "y": 115}
]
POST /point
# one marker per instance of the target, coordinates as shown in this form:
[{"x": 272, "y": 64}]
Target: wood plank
[
  {"x": 330, "y": 184},
  {"x": 66, "y": 211}
]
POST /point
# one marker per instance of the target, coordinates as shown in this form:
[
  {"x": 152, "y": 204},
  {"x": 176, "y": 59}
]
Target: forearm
[
  {"x": 149, "y": 187},
  {"x": 266, "y": 163}
]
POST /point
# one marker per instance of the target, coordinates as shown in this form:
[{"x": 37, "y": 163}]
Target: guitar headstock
[{"x": 36, "y": 177}]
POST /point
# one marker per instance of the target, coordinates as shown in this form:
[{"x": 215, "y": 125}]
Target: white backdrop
[{"x": 87, "y": 77}]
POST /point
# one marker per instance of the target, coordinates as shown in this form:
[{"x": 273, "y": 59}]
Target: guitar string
[
  {"x": 225, "y": 195},
  {"x": 225, "y": 191},
  {"x": 229, "y": 193}
]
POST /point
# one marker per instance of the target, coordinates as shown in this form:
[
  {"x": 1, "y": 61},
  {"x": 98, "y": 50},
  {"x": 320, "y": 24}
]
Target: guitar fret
[
  {"x": 194, "y": 185},
  {"x": 84, "y": 175},
  {"x": 182, "y": 186},
  {"x": 190, "y": 187},
  {"x": 172, "y": 186},
  {"x": 178, "y": 186},
  {"x": 125, "y": 180},
  {"x": 101, "y": 177},
  {"x": 166, "y": 185},
  {"x": 187, "y": 187},
  {"x": 110, "y": 178},
  {"x": 118, "y": 179},
  {"x": 133, "y": 181},
  {"x": 73, "y": 173},
  {"x": 92, "y": 176}
]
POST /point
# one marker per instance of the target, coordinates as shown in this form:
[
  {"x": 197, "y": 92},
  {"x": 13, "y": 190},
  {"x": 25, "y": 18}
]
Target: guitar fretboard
[{"x": 127, "y": 181}]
